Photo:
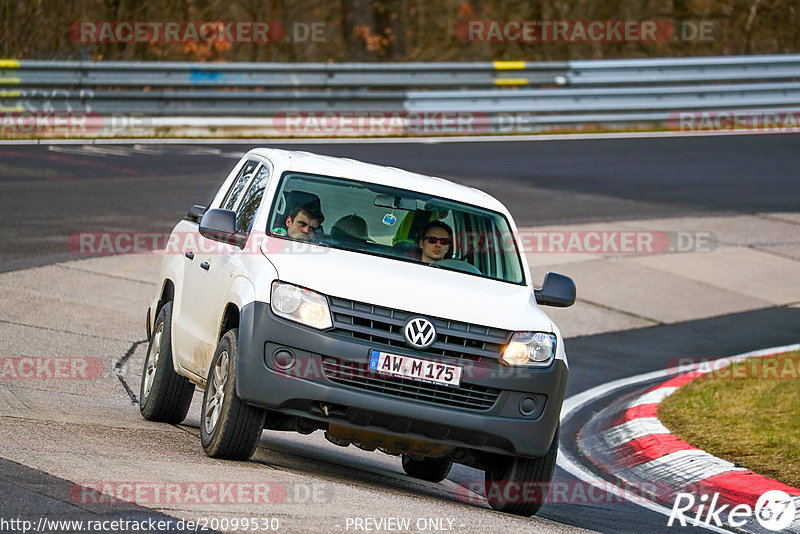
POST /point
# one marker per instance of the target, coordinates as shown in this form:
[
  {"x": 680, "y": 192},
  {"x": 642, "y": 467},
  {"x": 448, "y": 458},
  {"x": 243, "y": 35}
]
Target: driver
[
  {"x": 303, "y": 221},
  {"x": 435, "y": 242}
]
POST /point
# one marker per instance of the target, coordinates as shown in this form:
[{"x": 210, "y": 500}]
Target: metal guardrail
[
  {"x": 573, "y": 93},
  {"x": 606, "y": 99},
  {"x": 684, "y": 70},
  {"x": 207, "y": 102},
  {"x": 83, "y": 74}
]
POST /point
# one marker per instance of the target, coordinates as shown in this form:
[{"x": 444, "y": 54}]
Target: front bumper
[{"x": 516, "y": 412}]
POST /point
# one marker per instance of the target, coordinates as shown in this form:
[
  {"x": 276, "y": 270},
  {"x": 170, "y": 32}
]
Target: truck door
[
  {"x": 189, "y": 322},
  {"x": 221, "y": 267}
]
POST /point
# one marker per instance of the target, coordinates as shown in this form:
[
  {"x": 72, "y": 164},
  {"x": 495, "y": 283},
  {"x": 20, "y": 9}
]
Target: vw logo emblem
[{"x": 419, "y": 333}]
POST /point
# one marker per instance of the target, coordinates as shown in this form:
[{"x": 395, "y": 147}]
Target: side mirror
[
  {"x": 557, "y": 290},
  {"x": 220, "y": 225}
]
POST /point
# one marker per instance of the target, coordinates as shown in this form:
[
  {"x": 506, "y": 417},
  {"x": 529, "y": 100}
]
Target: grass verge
[{"x": 746, "y": 414}]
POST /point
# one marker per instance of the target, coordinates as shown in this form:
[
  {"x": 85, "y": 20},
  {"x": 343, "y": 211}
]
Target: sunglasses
[{"x": 433, "y": 240}]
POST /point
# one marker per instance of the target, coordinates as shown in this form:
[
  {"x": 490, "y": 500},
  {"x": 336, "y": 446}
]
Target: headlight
[
  {"x": 530, "y": 348},
  {"x": 300, "y": 305}
]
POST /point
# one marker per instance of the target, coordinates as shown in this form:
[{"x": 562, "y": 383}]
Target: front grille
[
  {"x": 359, "y": 376},
  {"x": 384, "y": 326}
]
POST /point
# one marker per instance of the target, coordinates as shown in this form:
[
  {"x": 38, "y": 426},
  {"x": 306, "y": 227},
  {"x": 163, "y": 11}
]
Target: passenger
[
  {"x": 303, "y": 222},
  {"x": 413, "y": 221},
  {"x": 435, "y": 242}
]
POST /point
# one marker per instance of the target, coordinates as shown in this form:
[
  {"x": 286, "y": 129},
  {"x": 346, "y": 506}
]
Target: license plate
[{"x": 414, "y": 368}]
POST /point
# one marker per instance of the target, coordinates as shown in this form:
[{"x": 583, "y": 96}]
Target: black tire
[
  {"x": 519, "y": 485},
  {"x": 229, "y": 427},
  {"x": 164, "y": 395},
  {"x": 431, "y": 469}
]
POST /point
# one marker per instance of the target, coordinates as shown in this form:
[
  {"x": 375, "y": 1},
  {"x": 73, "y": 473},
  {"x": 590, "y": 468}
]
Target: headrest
[
  {"x": 352, "y": 225},
  {"x": 301, "y": 198}
]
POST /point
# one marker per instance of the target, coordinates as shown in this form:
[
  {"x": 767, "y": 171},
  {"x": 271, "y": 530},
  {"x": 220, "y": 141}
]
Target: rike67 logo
[{"x": 774, "y": 510}]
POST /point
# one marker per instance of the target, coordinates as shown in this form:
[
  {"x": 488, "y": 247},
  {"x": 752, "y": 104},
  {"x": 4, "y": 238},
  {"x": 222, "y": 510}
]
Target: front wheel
[
  {"x": 430, "y": 469},
  {"x": 519, "y": 485},
  {"x": 229, "y": 427},
  {"x": 164, "y": 395}
]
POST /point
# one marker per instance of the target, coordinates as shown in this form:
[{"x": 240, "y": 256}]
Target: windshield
[{"x": 395, "y": 223}]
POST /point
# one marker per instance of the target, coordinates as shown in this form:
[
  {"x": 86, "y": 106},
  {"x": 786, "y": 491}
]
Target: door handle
[
  {"x": 205, "y": 265},
  {"x": 190, "y": 255}
]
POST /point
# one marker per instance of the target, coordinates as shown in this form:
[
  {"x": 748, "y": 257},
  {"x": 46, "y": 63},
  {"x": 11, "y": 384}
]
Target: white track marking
[
  {"x": 652, "y": 397},
  {"x": 633, "y": 429},
  {"x": 693, "y": 466}
]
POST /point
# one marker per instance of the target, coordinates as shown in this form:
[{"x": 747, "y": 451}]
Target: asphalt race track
[{"x": 51, "y": 192}]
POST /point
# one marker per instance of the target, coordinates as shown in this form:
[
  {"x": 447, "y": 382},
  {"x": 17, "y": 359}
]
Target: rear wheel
[
  {"x": 431, "y": 469},
  {"x": 519, "y": 485},
  {"x": 164, "y": 395},
  {"x": 229, "y": 427}
]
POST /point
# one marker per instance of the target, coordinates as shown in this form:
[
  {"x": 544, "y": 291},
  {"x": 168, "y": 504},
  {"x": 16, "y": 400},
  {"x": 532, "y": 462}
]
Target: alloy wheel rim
[
  {"x": 152, "y": 360},
  {"x": 216, "y": 393}
]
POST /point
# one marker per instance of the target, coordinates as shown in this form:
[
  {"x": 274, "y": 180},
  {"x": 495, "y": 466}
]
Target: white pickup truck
[{"x": 391, "y": 310}]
